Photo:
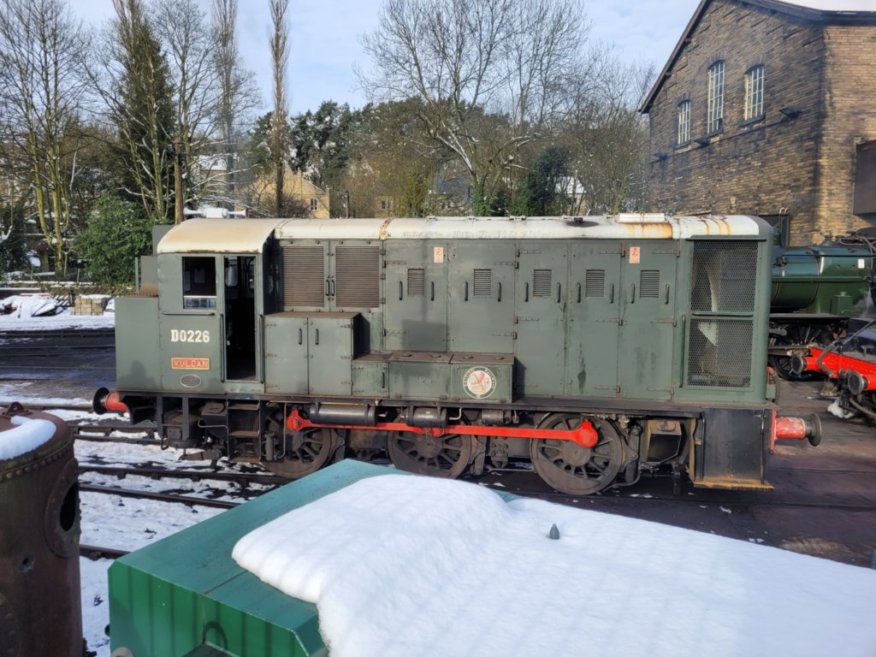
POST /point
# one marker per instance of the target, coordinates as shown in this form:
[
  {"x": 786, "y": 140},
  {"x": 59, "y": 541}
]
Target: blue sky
[{"x": 325, "y": 43}]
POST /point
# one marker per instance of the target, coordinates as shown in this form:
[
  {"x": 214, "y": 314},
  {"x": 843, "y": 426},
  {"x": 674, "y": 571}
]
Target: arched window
[
  {"x": 754, "y": 92},
  {"x": 715, "y": 115},
  {"x": 683, "y": 122}
]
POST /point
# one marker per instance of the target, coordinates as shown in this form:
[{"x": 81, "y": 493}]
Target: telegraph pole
[{"x": 177, "y": 182}]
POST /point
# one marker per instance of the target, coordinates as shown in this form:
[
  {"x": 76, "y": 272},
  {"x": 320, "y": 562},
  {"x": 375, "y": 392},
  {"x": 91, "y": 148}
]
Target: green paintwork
[
  {"x": 481, "y": 311},
  {"x": 137, "y": 363},
  {"x": 592, "y": 320},
  {"x": 645, "y": 350},
  {"x": 297, "y": 341},
  {"x": 185, "y": 593},
  {"x": 501, "y": 370},
  {"x": 371, "y": 376},
  {"x": 541, "y": 303},
  {"x": 419, "y": 374},
  {"x": 286, "y": 349},
  {"x": 829, "y": 278},
  {"x": 190, "y": 336},
  {"x": 416, "y": 320}
]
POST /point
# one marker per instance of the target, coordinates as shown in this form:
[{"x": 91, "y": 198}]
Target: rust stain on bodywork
[{"x": 384, "y": 227}]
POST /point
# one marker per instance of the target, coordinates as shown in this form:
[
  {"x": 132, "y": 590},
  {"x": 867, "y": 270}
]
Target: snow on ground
[
  {"x": 95, "y": 604},
  {"x": 402, "y": 565},
  {"x": 27, "y": 311}
]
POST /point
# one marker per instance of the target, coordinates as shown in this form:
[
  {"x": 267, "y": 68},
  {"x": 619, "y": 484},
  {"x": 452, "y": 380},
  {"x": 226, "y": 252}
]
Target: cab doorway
[{"x": 240, "y": 318}]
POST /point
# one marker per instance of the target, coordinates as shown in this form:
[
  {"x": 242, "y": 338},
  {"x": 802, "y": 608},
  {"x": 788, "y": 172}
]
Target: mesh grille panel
[
  {"x": 357, "y": 274},
  {"x": 724, "y": 276},
  {"x": 416, "y": 282},
  {"x": 594, "y": 283},
  {"x": 649, "y": 283},
  {"x": 541, "y": 282},
  {"x": 483, "y": 282},
  {"x": 303, "y": 276},
  {"x": 720, "y": 353}
]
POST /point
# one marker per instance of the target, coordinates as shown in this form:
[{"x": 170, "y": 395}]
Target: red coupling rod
[{"x": 584, "y": 434}]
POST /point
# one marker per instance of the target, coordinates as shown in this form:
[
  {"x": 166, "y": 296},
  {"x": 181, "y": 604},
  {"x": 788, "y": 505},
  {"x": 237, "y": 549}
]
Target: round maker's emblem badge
[{"x": 479, "y": 382}]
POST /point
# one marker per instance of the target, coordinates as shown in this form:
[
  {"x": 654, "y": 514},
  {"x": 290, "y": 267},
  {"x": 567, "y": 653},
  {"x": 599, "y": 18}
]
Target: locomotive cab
[{"x": 199, "y": 329}]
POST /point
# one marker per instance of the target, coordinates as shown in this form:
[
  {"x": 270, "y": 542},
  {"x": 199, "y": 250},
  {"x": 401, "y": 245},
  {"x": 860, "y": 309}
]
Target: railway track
[
  {"x": 101, "y": 432},
  {"x": 172, "y": 498},
  {"x": 55, "y": 334},
  {"x": 242, "y": 478},
  {"x": 95, "y": 552}
]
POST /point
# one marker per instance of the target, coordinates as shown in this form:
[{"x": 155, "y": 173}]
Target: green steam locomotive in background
[{"x": 816, "y": 289}]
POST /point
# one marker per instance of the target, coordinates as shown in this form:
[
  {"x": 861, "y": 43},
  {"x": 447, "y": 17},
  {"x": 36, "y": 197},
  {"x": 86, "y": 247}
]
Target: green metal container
[{"x": 186, "y": 596}]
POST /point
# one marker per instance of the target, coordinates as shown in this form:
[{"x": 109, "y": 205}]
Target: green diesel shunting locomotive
[{"x": 596, "y": 348}]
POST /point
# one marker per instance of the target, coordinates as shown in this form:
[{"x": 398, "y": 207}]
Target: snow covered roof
[
  {"x": 814, "y": 10},
  {"x": 408, "y": 566}
]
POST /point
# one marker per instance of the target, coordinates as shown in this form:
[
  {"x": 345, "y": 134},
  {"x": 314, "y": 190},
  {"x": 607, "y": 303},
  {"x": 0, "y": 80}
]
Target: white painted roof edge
[
  {"x": 647, "y": 226},
  {"x": 218, "y": 236},
  {"x": 250, "y": 235}
]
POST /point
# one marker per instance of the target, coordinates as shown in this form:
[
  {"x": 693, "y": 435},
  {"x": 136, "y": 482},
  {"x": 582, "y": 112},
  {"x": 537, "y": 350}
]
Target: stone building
[
  {"x": 305, "y": 198},
  {"x": 768, "y": 107}
]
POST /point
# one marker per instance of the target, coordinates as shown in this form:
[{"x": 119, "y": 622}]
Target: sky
[{"x": 325, "y": 40}]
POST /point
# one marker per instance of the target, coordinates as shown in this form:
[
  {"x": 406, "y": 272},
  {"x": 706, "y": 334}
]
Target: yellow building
[{"x": 302, "y": 197}]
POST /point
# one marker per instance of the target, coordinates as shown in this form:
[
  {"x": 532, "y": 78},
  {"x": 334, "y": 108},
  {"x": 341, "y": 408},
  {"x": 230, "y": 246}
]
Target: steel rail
[{"x": 157, "y": 497}]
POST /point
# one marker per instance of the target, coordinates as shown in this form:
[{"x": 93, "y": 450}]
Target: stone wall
[
  {"x": 850, "y": 119},
  {"x": 783, "y": 163}
]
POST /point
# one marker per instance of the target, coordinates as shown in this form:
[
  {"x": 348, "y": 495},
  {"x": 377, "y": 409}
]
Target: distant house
[
  {"x": 768, "y": 107},
  {"x": 308, "y": 199}
]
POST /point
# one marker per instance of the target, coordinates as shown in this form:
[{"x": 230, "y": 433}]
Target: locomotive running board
[{"x": 585, "y": 434}]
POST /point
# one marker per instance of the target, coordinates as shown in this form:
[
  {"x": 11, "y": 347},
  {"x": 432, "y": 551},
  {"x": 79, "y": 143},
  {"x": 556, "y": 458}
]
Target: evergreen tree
[{"x": 141, "y": 107}]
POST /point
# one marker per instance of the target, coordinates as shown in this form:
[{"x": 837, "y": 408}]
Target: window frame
[
  {"x": 755, "y": 80},
  {"x": 682, "y": 124},
  {"x": 715, "y": 106}
]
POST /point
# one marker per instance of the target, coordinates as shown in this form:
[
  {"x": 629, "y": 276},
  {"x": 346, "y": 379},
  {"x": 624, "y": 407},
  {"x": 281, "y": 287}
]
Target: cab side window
[{"x": 199, "y": 282}]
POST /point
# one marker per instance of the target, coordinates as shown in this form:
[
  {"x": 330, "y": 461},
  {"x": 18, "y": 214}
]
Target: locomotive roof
[
  {"x": 250, "y": 235},
  {"x": 624, "y": 226},
  {"x": 218, "y": 236}
]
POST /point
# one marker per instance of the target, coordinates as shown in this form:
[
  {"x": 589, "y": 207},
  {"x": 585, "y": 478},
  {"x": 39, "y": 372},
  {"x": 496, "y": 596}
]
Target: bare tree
[
  {"x": 279, "y": 130},
  {"x": 181, "y": 28},
  {"x": 464, "y": 59},
  {"x": 41, "y": 53},
  {"x": 238, "y": 93},
  {"x": 609, "y": 140}
]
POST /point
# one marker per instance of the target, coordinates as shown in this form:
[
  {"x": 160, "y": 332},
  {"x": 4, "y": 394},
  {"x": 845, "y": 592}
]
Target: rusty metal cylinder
[{"x": 40, "y": 604}]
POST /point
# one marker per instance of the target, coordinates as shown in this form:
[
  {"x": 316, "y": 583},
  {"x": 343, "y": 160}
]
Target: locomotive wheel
[
  {"x": 305, "y": 452},
  {"x": 799, "y": 336},
  {"x": 445, "y": 457},
  {"x": 571, "y": 468},
  {"x": 782, "y": 364}
]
